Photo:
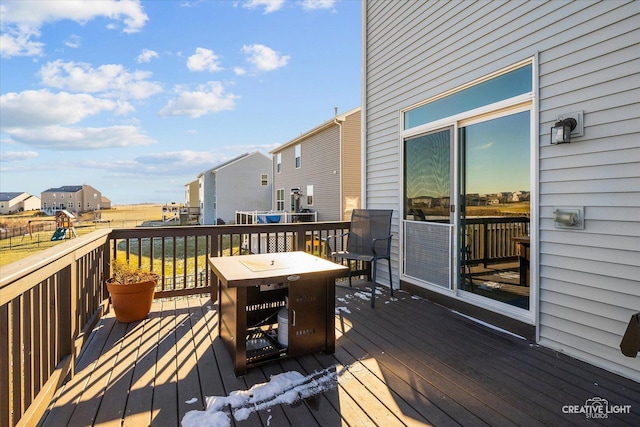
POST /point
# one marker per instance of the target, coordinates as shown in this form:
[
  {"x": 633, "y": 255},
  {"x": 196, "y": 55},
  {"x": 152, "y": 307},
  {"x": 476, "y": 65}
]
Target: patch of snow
[
  {"x": 362, "y": 295},
  {"x": 343, "y": 309},
  {"x": 191, "y": 401},
  {"x": 284, "y": 388}
]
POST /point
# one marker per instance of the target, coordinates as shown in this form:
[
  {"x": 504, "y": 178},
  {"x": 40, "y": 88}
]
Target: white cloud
[
  {"x": 33, "y": 108},
  {"x": 89, "y": 138},
  {"x": 165, "y": 164},
  {"x": 16, "y": 42},
  {"x": 41, "y": 118},
  {"x": 317, "y": 4},
  {"x": 17, "y": 156},
  {"x": 239, "y": 71},
  {"x": 147, "y": 55},
  {"x": 203, "y": 60},
  {"x": 22, "y": 20},
  {"x": 264, "y": 58},
  {"x": 269, "y": 5},
  {"x": 208, "y": 98},
  {"x": 111, "y": 80},
  {"x": 73, "y": 41}
]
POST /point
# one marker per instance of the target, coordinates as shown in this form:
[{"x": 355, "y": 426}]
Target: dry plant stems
[{"x": 124, "y": 274}]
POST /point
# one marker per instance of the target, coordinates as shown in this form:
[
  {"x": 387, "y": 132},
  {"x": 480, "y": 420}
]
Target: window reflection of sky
[
  {"x": 497, "y": 155},
  {"x": 508, "y": 85}
]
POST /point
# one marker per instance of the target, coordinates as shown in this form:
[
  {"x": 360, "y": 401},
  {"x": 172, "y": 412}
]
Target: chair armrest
[
  {"x": 373, "y": 244},
  {"x": 333, "y": 237}
]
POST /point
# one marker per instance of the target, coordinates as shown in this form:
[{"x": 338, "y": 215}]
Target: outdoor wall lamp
[
  {"x": 561, "y": 131},
  {"x": 567, "y": 126}
]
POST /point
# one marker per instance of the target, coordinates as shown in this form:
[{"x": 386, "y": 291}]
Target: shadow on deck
[{"x": 406, "y": 362}]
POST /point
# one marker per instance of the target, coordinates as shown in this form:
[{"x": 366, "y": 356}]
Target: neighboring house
[
  {"x": 243, "y": 183},
  {"x": 73, "y": 198},
  {"x": 105, "y": 203},
  {"x": 191, "y": 194},
  {"x": 17, "y": 202},
  {"x": 321, "y": 169},
  {"x": 460, "y": 99}
]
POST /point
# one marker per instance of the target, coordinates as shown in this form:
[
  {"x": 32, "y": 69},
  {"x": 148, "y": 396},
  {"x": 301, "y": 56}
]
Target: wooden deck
[{"x": 406, "y": 362}]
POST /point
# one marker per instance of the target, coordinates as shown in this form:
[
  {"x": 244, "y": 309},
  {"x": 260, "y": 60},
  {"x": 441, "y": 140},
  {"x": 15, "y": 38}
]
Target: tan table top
[{"x": 259, "y": 269}]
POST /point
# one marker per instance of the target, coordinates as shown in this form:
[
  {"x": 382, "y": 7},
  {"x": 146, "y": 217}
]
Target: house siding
[
  {"x": 320, "y": 157},
  {"x": 587, "y": 60},
  {"x": 238, "y": 186},
  {"x": 351, "y": 164}
]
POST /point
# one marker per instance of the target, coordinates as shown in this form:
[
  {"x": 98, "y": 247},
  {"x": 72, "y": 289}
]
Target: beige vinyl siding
[
  {"x": 587, "y": 60},
  {"x": 320, "y": 157},
  {"x": 351, "y": 165}
]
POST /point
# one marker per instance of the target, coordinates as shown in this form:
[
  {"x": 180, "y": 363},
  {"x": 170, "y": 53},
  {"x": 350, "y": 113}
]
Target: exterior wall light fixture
[
  {"x": 561, "y": 131},
  {"x": 567, "y": 126}
]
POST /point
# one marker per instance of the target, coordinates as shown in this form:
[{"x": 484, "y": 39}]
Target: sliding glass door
[
  {"x": 495, "y": 208},
  {"x": 428, "y": 221}
]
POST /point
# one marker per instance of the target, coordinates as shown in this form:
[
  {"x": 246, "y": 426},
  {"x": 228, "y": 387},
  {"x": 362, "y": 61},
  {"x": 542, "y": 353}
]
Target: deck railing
[
  {"x": 49, "y": 304},
  {"x": 491, "y": 241},
  {"x": 51, "y": 301}
]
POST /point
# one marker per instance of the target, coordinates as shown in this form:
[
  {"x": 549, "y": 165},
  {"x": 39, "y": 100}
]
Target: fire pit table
[{"x": 274, "y": 305}]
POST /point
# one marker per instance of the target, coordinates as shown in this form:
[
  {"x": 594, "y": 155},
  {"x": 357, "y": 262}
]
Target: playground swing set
[{"x": 64, "y": 225}]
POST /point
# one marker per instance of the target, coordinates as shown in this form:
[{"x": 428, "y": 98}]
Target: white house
[
  {"x": 242, "y": 183},
  {"x": 11, "y": 202},
  {"x": 459, "y": 99}
]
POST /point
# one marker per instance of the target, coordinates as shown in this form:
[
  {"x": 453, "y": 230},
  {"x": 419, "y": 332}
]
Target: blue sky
[{"x": 137, "y": 98}]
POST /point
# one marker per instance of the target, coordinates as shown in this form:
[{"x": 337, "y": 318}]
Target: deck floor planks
[
  {"x": 298, "y": 413},
  {"x": 140, "y": 398},
  {"x": 326, "y": 407},
  {"x": 477, "y": 363},
  {"x": 70, "y": 393},
  {"x": 164, "y": 410},
  {"x": 363, "y": 386},
  {"x": 87, "y": 406},
  {"x": 202, "y": 316},
  {"x": 532, "y": 367},
  {"x": 414, "y": 408},
  {"x": 447, "y": 370},
  {"x": 388, "y": 351},
  {"x": 188, "y": 378},
  {"x": 229, "y": 380},
  {"x": 114, "y": 400},
  {"x": 347, "y": 409}
]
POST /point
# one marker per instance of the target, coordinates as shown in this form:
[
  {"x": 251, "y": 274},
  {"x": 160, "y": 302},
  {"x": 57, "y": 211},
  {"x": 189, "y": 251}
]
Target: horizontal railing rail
[{"x": 179, "y": 254}]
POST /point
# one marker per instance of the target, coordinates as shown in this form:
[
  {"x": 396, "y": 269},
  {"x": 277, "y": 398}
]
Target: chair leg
[
  {"x": 390, "y": 279},
  {"x": 373, "y": 284},
  {"x": 349, "y": 265}
]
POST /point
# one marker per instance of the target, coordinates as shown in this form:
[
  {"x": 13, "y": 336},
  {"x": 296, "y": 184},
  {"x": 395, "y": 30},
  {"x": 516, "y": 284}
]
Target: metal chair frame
[{"x": 368, "y": 240}]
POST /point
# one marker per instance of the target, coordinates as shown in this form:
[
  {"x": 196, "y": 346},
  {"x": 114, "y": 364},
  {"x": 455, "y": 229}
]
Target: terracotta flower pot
[{"x": 132, "y": 302}]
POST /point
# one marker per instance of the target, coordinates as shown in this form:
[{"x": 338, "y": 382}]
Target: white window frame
[
  {"x": 298, "y": 155},
  {"x": 504, "y": 107},
  {"x": 309, "y": 195}
]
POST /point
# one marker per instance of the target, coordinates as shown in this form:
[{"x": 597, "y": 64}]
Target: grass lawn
[{"x": 124, "y": 216}]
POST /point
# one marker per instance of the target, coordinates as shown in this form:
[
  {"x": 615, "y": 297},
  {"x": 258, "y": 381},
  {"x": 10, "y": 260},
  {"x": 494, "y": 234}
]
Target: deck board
[{"x": 406, "y": 362}]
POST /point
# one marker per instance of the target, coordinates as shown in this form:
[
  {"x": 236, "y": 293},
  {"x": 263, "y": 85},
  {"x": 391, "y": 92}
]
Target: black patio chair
[{"x": 368, "y": 240}]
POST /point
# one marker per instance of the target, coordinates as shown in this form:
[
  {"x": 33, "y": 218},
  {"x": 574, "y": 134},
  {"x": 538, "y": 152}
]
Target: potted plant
[{"x": 131, "y": 289}]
